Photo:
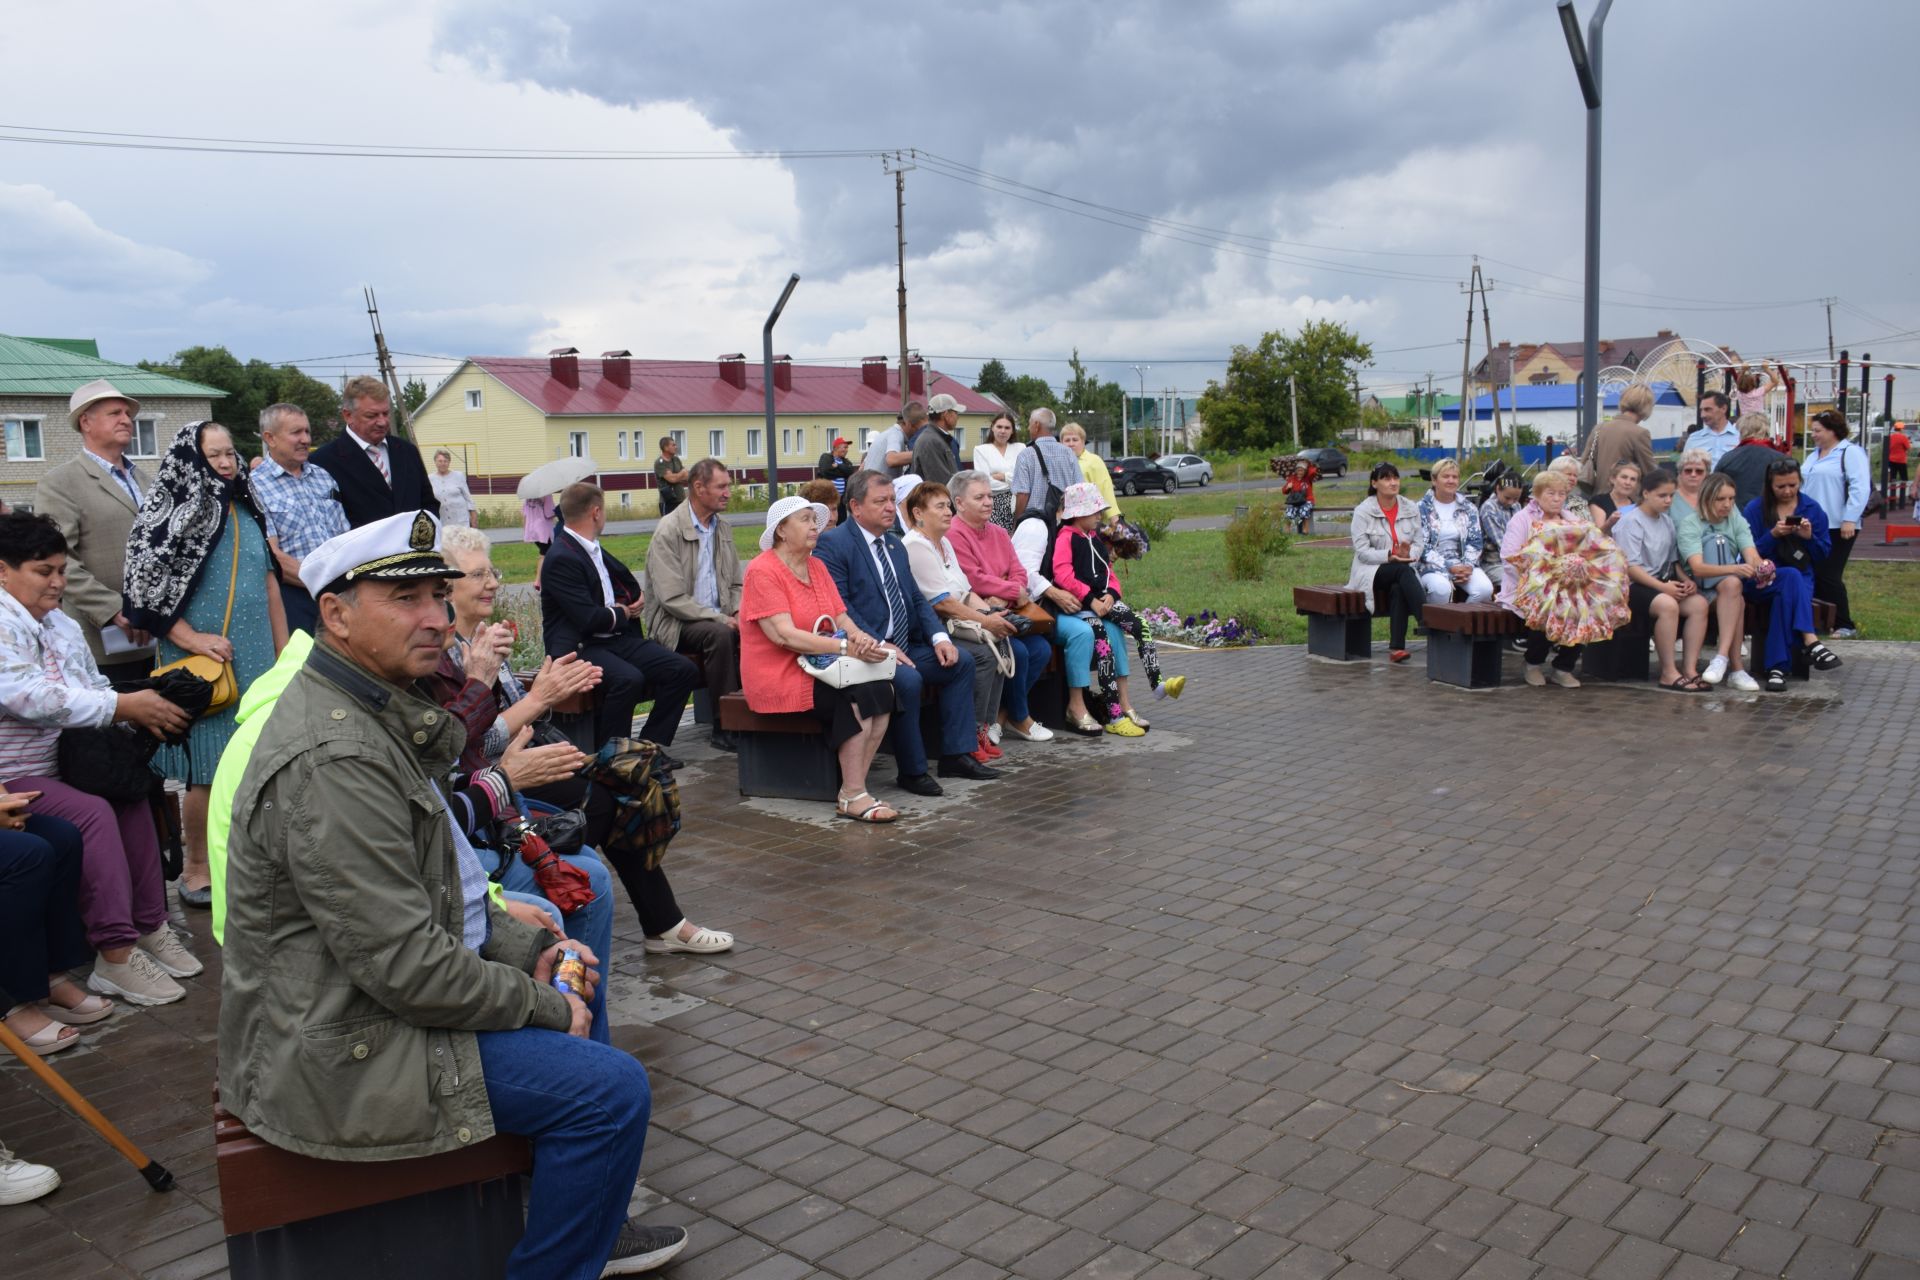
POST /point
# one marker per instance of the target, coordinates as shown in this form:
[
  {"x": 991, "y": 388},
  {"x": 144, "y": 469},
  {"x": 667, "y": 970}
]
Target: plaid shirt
[
  {"x": 1041, "y": 463},
  {"x": 302, "y": 510}
]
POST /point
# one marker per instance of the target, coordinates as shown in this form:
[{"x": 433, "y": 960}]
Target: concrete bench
[
  {"x": 292, "y": 1217},
  {"x": 1465, "y": 642},
  {"x": 781, "y": 755},
  {"x": 1338, "y": 624}
]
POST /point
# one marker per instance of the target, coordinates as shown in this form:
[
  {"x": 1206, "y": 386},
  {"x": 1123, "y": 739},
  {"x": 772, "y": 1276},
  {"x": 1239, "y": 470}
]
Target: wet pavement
[{"x": 1336, "y": 973}]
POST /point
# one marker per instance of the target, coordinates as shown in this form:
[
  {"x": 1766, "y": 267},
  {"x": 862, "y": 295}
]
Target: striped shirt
[{"x": 302, "y": 510}]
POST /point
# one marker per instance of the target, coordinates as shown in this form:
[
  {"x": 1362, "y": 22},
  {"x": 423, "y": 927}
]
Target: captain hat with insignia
[{"x": 398, "y": 548}]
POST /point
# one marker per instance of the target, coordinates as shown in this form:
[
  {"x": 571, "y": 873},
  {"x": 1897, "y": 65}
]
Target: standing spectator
[
  {"x": 1386, "y": 556},
  {"x": 300, "y": 501},
  {"x": 1451, "y": 538},
  {"x": 1838, "y": 476},
  {"x": 670, "y": 475},
  {"x": 1747, "y": 462},
  {"x": 1298, "y": 489},
  {"x": 836, "y": 467},
  {"x": 1657, "y": 589},
  {"x": 788, "y": 590},
  {"x": 995, "y": 458},
  {"x": 1495, "y": 513},
  {"x": 93, "y": 499},
  {"x": 1716, "y": 433},
  {"x": 1045, "y": 471},
  {"x": 891, "y": 450},
  {"x": 536, "y": 526},
  {"x": 48, "y": 682},
  {"x": 1897, "y": 448},
  {"x": 871, "y": 573},
  {"x": 378, "y": 473},
  {"x": 1623, "y": 437},
  {"x": 200, "y": 578},
  {"x": 450, "y": 488},
  {"x": 1093, "y": 469},
  {"x": 936, "y": 450},
  {"x": 592, "y": 605},
  {"x": 987, "y": 557},
  {"x": 693, "y": 584},
  {"x": 41, "y": 935}
]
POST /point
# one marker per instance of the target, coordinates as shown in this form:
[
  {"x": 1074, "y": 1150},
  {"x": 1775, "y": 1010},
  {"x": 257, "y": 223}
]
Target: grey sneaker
[
  {"x": 140, "y": 980},
  {"x": 642, "y": 1248},
  {"x": 1565, "y": 679},
  {"x": 169, "y": 952}
]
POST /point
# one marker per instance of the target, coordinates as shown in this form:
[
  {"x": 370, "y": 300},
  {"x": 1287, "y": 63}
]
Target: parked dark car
[
  {"x": 1331, "y": 462},
  {"x": 1137, "y": 475}
]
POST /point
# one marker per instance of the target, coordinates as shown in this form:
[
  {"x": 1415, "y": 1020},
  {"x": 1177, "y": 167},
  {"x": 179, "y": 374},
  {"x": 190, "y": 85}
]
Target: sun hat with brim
[
  {"x": 397, "y": 549},
  {"x": 786, "y": 507},
  {"x": 1082, "y": 499},
  {"x": 93, "y": 393}
]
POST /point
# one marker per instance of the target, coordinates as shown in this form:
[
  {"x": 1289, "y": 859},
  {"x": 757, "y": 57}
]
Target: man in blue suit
[{"x": 870, "y": 569}]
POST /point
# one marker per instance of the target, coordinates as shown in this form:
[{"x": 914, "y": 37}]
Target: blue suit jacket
[{"x": 843, "y": 549}]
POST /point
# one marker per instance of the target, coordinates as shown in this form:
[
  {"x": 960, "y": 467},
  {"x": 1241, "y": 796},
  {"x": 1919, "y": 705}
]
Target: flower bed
[{"x": 1203, "y": 630}]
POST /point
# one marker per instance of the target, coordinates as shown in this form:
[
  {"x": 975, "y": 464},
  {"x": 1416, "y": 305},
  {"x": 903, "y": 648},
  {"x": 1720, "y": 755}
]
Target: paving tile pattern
[{"x": 1630, "y": 991}]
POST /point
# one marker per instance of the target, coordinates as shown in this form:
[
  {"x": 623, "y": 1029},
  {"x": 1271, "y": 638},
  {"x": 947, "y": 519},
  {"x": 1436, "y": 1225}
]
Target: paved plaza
[{"x": 1336, "y": 973}]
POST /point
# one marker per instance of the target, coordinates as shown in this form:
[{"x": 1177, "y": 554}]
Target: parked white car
[{"x": 1188, "y": 468}]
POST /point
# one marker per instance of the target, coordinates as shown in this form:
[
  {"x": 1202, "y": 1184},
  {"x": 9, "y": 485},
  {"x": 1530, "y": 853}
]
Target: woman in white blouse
[
  {"x": 995, "y": 460},
  {"x": 450, "y": 490}
]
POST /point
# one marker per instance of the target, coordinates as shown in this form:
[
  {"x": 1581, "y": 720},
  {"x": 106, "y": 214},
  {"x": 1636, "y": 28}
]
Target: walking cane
[{"x": 152, "y": 1170}]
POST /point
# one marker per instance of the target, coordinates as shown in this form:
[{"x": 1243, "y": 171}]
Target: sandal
[
  {"x": 48, "y": 1040},
  {"x": 1086, "y": 725},
  {"x": 90, "y": 1009},
  {"x": 1776, "y": 681},
  {"x": 1686, "y": 684},
  {"x": 1823, "y": 658},
  {"x": 703, "y": 941},
  {"x": 845, "y": 806}
]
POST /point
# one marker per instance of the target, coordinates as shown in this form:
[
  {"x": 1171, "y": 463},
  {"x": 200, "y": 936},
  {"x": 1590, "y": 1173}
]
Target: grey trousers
[{"x": 987, "y": 680}]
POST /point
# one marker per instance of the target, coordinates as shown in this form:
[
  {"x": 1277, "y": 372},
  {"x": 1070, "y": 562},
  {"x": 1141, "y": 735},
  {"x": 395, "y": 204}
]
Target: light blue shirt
[
  {"x": 1839, "y": 482},
  {"x": 129, "y": 479},
  {"x": 1717, "y": 444},
  {"x": 474, "y": 924},
  {"x": 706, "y": 588}
]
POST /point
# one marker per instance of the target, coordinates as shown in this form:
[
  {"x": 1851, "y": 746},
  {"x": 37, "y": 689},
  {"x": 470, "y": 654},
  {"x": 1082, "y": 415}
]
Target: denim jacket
[{"x": 1434, "y": 559}]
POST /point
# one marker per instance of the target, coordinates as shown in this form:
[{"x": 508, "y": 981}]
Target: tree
[
  {"x": 1023, "y": 394},
  {"x": 1252, "y": 410},
  {"x": 412, "y": 395},
  {"x": 251, "y": 387},
  {"x": 994, "y": 380},
  {"x": 1096, "y": 405}
]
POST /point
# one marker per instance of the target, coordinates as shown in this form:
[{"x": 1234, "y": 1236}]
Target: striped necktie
[
  {"x": 378, "y": 452},
  {"x": 896, "y": 601}
]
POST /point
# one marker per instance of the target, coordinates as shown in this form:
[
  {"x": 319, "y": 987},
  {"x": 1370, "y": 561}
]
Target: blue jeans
[
  {"x": 1030, "y": 654},
  {"x": 1075, "y": 639},
  {"x": 584, "y": 1106},
  {"x": 953, "y": 703},
  {"x": 591, "y": 924}
]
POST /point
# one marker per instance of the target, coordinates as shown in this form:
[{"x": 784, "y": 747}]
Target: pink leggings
[{"x": 122, "y": 894}]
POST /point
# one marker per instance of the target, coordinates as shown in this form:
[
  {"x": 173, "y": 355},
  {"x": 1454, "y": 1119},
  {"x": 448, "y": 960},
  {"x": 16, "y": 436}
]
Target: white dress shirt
[
  {"x": 882, "y": 566},
  {"x": 606, "y": 580}
]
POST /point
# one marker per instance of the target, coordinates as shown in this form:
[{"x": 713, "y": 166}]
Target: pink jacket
[
  {"x": 987, "y": 557},
  {"x": 1071, "y": 544},
  {"x": 536, "y": 520}
]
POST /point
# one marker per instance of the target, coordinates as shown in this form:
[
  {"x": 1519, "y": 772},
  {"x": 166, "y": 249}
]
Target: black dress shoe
[
  {"x": 966, "y": 767},
  {"x": 668, "y": 763},
  {"x": 921, "y": 784},
  {"x": 724, "y": 741}
]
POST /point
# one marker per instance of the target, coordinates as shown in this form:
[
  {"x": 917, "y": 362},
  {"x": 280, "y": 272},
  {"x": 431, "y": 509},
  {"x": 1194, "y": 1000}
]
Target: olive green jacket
[{"x": 349, "y": 1002}]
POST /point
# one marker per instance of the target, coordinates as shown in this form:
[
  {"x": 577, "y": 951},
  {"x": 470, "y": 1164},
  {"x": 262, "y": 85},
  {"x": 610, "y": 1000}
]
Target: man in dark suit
[
  {"x": 590, "y": 603},
  {"x": 378, "y": 474},
  {"x": 870, "y": 570}
]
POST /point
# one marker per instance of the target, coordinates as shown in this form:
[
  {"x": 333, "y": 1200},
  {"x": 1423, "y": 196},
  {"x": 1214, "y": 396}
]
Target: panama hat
[
  {"x": 93, "y": 393},
  {"x": 786, "y": 507},
  {"x": 1082, "y": 499}
]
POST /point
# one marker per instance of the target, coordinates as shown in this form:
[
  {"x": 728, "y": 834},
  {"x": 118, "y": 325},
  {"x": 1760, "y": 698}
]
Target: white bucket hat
[
  {"x": 782, "y": 509},
  {"x": 1082, "y": 499},
  {"x": 93, "y": 393}
]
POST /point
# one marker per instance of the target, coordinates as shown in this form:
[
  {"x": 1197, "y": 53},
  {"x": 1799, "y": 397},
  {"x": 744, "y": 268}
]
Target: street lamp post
[
  {"x": 766, "y": 376},
  {"x": 1140, "y": 369},
  {"x": 1586, "y": 66}
]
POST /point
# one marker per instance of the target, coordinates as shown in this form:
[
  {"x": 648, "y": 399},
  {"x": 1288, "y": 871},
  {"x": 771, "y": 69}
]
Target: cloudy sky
[{"x": 1298, "y": 158}]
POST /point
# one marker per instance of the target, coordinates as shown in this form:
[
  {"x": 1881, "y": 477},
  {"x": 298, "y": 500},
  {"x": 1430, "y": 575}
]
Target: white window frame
[
  {"x": 577, "y": 445},
  {"x": 133, "y": 446},
  {"x": 639, "y": 445},
  {"x": 475, "y": 400},
  {"x": 620, "y": 445},
  {"x": 679, "y": 435},
  {"x": 786, "y": 442},
  {"x": 755, "y": 440},
  {"x": 20, "y": 424},
  {"x": 866, "y": 440},
  {"x": 626, "y": 497},
  {"x": 717, "y": 442}
]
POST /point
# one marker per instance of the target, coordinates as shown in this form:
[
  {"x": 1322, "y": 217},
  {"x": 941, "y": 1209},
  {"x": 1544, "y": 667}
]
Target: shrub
[
  {"x": 1154, "y": 519},
  {"x": 1251, "y": 538}
]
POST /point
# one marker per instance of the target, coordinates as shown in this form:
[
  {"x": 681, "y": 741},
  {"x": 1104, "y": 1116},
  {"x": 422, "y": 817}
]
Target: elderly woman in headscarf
[{"x": 201, "y": 578}]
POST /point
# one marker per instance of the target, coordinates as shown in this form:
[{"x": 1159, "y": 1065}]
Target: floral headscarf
[{"x": 178, "y": 527}]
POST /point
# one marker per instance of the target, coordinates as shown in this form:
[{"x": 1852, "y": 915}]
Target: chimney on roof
[
  {"x": 783, "y": 373},
  {"x": 733, "y": 370},
  {"x": 1665, "y": 333},
  {"x": 617, "y": 367},
  {"x": 563, "y": 365},
  {"x": 917, "y": 376},
  {"x": 873, "y": 373}
]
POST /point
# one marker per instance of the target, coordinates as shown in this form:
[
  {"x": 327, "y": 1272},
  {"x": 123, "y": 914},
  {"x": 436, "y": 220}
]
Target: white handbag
[{"x": 838, "y": 670}]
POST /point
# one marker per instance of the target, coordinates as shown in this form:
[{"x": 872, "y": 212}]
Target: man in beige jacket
[
  {"x": 1622, "y": 439},
  {"x": 94, "y": 498},
  {"x": 693, "y": 583}
]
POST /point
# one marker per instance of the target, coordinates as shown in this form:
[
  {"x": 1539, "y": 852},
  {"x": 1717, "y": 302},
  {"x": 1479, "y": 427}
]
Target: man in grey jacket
[
  {"x": 376, "y": 1005},
  {"x": 693, "y": 584},
  {"x": 936, "y": 454}
]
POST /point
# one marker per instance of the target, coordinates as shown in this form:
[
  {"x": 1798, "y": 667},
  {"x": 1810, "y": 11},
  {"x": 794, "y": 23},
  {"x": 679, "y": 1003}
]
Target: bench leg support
[
  {"x": 1624, "y": 657},
  {"x": 788, "y": 766},
  {"x": 457, "y": 1231},
  {"x": 1469, "y": 662},
  {"x": 1342, "y": 639}
]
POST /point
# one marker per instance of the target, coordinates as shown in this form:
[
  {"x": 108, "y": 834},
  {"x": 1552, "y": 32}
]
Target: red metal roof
[{"x": 686, "y": 387}]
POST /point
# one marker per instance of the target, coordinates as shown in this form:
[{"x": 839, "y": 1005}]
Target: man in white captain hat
[
  {"x": 375, "y": 1004},
  {"x": 94, "y": 498}
]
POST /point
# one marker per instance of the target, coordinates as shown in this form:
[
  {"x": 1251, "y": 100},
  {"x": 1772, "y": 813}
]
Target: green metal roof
[
  {"x": 37, "y": 368},
  {"x": 1414, "y": 406},
  {"x": 79, "y": 346}
]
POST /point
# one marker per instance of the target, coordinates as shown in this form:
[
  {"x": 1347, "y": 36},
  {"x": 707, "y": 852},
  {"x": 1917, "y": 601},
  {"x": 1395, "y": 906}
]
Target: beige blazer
[
  {"x": 94, "y": 514},
  {"x": 673, "y": 560}
]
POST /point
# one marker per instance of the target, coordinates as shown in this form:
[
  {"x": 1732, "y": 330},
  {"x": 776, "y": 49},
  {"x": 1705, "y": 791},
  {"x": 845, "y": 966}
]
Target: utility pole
[
  {"x": 1141, "y": 370},
  {"x": 387, "y": 373},
  {"x": 1293, "y": 398},
  {"x": 1428, "y": 422},
  {"x": 1829, "y": 305},
  {"x": 1466, "y": 396},
  {"x": 898, "y": 168},
  {"x": 1499, "y": 434}
]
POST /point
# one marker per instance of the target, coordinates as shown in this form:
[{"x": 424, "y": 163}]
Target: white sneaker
[
  {"x": 169, "y": 952},
  {"x": 1565, "y": 679},
  {"x": 1039, "y": 733},
  {"x": 22, "y": 1180},
  {"x": 1743, "y": 682},
  {"x": 140, "y": 980},
  {"x": 1716, "y": 670},
  {"x": 1535, "y": 676},
  {"x": 1844, "y": 633},
  {"x": 993, "y": 734}
]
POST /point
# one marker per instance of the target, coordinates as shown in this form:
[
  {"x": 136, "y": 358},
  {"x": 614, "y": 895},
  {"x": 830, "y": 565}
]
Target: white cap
[
  {"x": 782, "y": 509},
  {"x": 941, "y": 404},
  {"x": 94, "y": 392},
  {"x": 399, "y": 547}
]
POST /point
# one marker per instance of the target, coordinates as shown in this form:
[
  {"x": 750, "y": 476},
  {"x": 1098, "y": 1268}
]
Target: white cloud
[{"x": 45, "y": 238}]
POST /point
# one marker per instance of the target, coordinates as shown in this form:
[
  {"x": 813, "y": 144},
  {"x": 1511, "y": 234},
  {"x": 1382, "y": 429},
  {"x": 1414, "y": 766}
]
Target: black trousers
[
  {"x": 302, "y": 614},
  {"x": 1397, "y": 593},
  {"x": 1829, "y": 577},
  {"x": 651, "y": 895},
  {"x": 40, "y": 928},
  {"x": 718, "y": 647},
  {"x": 635, "y": 668},
  {"x": 1564, "y": 655}
]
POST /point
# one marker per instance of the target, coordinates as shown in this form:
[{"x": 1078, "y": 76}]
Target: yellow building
[{"x": 502, "y": 416}]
